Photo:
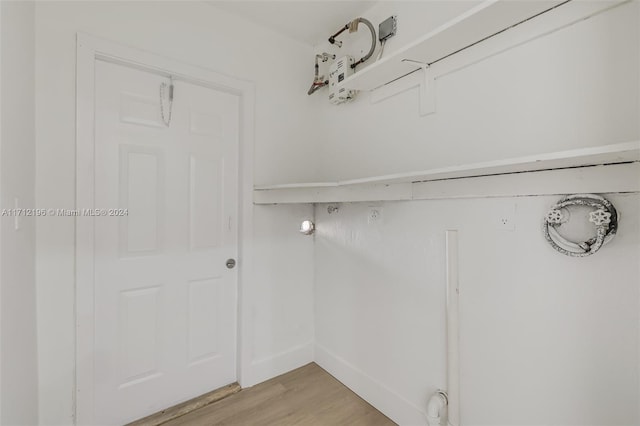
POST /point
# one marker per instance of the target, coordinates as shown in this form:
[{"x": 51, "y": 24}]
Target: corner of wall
[{"x": 18, "y": 336}]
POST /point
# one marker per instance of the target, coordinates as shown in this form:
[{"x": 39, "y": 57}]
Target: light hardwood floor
[{"x": 306, "y": 396}]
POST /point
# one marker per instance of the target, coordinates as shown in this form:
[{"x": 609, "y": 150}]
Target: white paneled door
[{"x": 165, "y": 301}]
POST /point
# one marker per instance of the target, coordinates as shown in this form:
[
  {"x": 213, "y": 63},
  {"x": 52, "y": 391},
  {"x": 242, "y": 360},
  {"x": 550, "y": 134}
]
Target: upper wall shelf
[
  {"x": 348, "y": 190},
  {"x": 488, "y": 18}
]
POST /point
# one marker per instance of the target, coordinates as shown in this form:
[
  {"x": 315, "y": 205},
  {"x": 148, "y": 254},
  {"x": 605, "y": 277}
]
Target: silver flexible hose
[
  {"x": 601, "y": 233},
  {"x": 373, "y": 41},
  {"x": 605, "y": 217},
  {"x": 353, "y": 26}
]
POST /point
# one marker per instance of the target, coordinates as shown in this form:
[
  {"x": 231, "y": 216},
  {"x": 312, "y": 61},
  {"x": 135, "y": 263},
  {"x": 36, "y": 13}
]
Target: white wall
[
  {"x": 380, "y": 292},
  {"x": 199, "y": 34},
  {"x": 283, "y": 298},
  {"x": 577, "y": 87},
  {"x": 18, "y": 366},
  {"x": 544, "y": 338}
]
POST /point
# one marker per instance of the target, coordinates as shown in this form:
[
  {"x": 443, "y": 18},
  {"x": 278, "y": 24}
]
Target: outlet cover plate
[
  {"x": 505, "y": 218},
  {"x": 375, "y": 215}
]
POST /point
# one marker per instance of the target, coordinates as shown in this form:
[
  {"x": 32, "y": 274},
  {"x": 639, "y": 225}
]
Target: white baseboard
[
  {"x": 268, "y": 368},
  {"x": 389, "y": 402}
]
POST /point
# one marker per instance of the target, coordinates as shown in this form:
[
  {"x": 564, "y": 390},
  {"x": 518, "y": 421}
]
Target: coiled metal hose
[{"x": 604, "y": 217}]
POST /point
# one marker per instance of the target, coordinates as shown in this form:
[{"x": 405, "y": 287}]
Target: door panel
[
  {"x": 205, "y": 189},
  {"x": 138, "y": 334},
  {"x": 165, "y": 304},
  {"x": 203, "y": 319},
  {"x": 141, "y": 189}
]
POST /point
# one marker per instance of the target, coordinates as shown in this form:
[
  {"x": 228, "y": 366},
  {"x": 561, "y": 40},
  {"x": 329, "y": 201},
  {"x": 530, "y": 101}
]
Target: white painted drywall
[
  {"x": 18, "y": 365},
  {"x": 283, "y": 325},
  {"x": 199, "y": 34},
  {"x": 293, "y": 18},
  {"x": 379, "y": 303},
  {"x": 577, "y": 87},
  {"x": 544, "y": 338}
]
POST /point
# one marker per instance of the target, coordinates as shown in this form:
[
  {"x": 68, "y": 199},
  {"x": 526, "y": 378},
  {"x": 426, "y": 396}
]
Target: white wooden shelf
[
  {"x": 486, "y": 19},
  {"x": 400, "y": 186}
]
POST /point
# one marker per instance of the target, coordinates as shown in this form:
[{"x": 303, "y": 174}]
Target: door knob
[{"x": 231, "y": 263}]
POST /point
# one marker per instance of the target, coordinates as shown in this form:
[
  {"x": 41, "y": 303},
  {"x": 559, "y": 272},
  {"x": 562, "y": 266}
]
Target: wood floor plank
[
  {"x": 307, "y": 396},
  {"x": 187, "y": 407},
  {"x": 231, "y": 407}
]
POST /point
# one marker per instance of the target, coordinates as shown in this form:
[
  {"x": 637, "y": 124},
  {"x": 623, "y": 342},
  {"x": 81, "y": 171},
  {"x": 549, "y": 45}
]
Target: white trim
[
  {"x": 605, "y": 154},
  {"x": 551, "y": 22},
  {"x": 595, "y": 179},
  {"x": 298, "y": 185},
  {"x": 490, "y": 18},
  {"x": 89, "y": 49},
  {"x": 395, "y": 192},
  {"x": 624, "y": 177},
  {"x": 453, "y": 329},
  {"x": 638, "y": 350},
  {"x": 1, "y": 282},
  {"x": 283, "y": 362},
  {"x": 388, "y": 401},
  {"x": 487, "y": 18},
  {"x": 591, "y": 156}
]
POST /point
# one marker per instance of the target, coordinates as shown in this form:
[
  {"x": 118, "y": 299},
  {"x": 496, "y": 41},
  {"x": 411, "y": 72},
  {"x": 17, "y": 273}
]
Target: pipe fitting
[
  {"x": 437, "y": 408},
  {"x": 352, "y": 26},
  {"x": 319, "y": 81}
]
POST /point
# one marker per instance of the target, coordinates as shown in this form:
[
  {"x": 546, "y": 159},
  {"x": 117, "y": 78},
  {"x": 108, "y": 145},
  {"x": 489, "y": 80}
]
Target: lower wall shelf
[{"x": 621, "y": 174}]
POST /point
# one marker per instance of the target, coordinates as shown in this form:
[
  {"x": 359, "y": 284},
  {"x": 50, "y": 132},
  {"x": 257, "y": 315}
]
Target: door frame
[{"x": 89, "y": 50}]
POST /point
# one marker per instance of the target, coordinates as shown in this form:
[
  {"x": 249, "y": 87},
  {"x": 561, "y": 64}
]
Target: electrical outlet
[
  {"x": 375, "y": 215},
  {"x": 506, "y": 223},
  {"x": 506, "y": 218}
]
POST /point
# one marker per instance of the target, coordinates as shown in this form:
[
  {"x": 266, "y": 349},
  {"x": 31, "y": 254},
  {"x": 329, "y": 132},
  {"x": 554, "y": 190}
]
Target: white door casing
[{"x": 149, "y": 332}]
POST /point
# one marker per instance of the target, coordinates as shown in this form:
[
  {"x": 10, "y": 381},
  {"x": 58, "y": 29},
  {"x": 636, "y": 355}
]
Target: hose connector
[
  {"x": 437, "y": 408},
  {"x": 318, "y": 80},
  {"x": 352, "y": 26}
]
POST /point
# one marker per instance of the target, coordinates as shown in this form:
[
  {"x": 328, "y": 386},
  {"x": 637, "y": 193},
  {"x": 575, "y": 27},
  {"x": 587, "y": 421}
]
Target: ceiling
[{"x": 309, "y": 21}]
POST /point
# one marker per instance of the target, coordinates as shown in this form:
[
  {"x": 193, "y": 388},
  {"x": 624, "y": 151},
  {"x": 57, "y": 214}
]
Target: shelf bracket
[{"x": 427, "y": 88}]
